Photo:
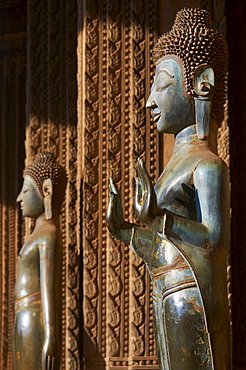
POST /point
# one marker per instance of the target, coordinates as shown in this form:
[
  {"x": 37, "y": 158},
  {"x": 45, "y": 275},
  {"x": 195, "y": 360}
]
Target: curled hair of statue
[
  {"x": 194, "y": 42},
  {"x": 45, "y": 167}
]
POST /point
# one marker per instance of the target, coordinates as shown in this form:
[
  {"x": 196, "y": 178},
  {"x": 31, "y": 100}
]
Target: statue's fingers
[
  {"x": 144, "y": 176},
  {"x": 112, "y": 187},
  {"x": 112, "y": 205},
  {"x": 48, "y": 362},
  {"x": 141, "y": 177},
  {"x": 115, "y": 199},
  {"x": 114, "y": 212},
  {"x": 140, "y": 167},
  {"x": 54, "y": 363},
  {"x": 138, "y": 197},
  {"x": 138, "y": 191}
]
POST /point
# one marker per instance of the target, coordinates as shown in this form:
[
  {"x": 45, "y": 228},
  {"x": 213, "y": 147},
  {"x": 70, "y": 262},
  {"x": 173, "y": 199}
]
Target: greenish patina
[
  {"x": 37, "y": 293},
  {"x": 186, "y": 241}
]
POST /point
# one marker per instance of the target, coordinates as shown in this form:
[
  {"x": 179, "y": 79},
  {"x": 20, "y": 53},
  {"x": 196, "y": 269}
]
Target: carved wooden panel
[
  {"x": 102, "y": 48},
  {"x": 114, "y": 73},
  {"x": 52, "y": 125}
]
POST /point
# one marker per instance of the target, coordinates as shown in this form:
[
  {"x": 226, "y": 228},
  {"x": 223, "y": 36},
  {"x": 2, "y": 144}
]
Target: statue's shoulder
[
  {"x": 209, "y": 158},
  {"x": 211, "y": 165},
  {"x": 46, "y": 234}
]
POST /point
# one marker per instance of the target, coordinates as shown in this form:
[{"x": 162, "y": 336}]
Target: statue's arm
[
  {"x": 116, "y": 224},
  {"x": 139, "y": 238},
  {"x": 50, "y": 352},
  {"x": 212, "y": 207},
  {"x": 146, "y": 208},
  {"x": 141, "y": 242}
]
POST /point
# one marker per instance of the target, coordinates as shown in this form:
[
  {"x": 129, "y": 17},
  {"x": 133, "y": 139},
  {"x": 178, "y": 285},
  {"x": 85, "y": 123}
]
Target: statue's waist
[
  {"x": 34, "y": 298},
  {"x": 172, "y": 262},
  {"x": 166, "y": 281},
  {"x": 178, "y": 264}
]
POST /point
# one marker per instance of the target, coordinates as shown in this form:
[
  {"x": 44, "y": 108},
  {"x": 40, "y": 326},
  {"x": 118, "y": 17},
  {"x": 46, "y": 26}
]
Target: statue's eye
[
  {"x": 163, "y": 87},
  {"x": 25, "y": 190}
]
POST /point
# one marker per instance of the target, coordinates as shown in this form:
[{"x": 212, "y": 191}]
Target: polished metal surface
[
  {"x": 186, "y": 239},
  {"x": 37, "y": 293}
]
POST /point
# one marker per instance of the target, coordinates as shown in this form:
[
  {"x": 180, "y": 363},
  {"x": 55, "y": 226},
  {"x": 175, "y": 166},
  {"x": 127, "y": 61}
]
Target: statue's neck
[
  {"x": 187, "y": 138},
  {"x": 42, "y": 219}
]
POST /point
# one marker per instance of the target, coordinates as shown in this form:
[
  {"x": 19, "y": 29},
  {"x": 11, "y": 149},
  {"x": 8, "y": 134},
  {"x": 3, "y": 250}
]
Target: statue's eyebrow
[
  {"x": 164, "y": 70},
  {"x": 28, "y": 185}
]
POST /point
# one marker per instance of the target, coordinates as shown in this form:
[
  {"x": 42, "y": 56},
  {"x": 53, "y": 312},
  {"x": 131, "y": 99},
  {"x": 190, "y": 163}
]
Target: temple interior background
[{"x": 74, "y": 77}]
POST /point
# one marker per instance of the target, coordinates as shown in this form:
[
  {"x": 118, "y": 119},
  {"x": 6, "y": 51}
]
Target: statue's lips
[{"x": 155, "y": 115}]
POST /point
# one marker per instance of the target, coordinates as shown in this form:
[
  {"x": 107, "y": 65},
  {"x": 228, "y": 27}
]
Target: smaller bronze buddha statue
[
  {"x": 186, "y": 213},
  {"x": 37, "y": 293}
]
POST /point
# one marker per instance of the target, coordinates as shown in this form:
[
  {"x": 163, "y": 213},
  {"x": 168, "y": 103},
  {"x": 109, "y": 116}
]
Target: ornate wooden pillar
[{"x": 115, "y": 70}]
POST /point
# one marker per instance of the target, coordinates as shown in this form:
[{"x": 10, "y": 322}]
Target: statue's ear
[
  {"x": 48, "y": 193},
  {"x": 203, "y": 84},
  {"x": 204, "y": 81}
]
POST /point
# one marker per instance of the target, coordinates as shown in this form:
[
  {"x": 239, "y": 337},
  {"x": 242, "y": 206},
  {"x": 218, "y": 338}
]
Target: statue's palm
[{"x": 146, "y": 207}]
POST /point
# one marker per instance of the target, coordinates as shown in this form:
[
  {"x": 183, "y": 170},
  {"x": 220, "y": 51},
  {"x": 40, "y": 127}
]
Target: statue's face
[
  {"x": 32, "y": 204},
  {"x": 171, "y": 108}
]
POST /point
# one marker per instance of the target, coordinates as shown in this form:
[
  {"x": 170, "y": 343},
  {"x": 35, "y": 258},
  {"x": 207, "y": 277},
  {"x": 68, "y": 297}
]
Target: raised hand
[
  {"x": 146, "y": 207},
  {"x": 116, "y": 224}
]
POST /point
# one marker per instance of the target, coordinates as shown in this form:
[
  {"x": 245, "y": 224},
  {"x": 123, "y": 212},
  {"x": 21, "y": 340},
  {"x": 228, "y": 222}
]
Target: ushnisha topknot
[
  {"x": 194, "y": 42},
  {"x": 43, "y": 167}
]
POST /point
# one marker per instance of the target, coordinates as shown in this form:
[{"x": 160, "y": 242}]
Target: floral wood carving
[
  {"x": 114, "y": 63},
  {"x": 52, "y": 125}
]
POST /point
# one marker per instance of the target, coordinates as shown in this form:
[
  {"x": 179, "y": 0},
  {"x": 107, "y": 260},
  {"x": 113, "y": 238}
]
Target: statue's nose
[
  {"x": 19, "y": 198},
  {"x": 150, "y": 102}
]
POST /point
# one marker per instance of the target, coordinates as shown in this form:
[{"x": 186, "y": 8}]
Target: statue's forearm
[
  {"x": 189, "y": 231},
  {"x": 141, "y": 242},
  {"x": 121, "y": 233},
  {"x": 47, "y": 293}
]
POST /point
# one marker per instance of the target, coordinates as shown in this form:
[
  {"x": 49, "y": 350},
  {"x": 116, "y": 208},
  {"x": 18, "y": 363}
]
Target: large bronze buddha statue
[
  {"x": 186, "y": 239},
  {"x": 37, "y": 294}
]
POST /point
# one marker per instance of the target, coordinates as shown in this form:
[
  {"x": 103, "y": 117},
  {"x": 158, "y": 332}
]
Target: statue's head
[
  {"x": 194, "y": 58},
  {"x": 43, "y": 187}
]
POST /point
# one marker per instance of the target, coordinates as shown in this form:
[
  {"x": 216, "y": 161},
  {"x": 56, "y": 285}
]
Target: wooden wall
[{"x": 74, "y": 77}]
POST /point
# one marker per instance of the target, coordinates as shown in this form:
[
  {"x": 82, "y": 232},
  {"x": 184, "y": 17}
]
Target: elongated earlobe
[
  {"x": 204, "y": 88},
  {"x": 48, "y": 192},
  {"x": 203, "y": 112}
]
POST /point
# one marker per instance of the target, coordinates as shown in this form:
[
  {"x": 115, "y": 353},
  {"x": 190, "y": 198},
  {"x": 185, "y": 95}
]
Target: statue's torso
[
  {"x": 28, "y": 329},
  {"x": 175, "y": 192},
  {"x": 28, "y": 268},
  {"x": 29, "y": 320},
  {"x": 28, "y": 273},
  {"x": 174, "y": 189},
  {"x": 177, "y": 301}
]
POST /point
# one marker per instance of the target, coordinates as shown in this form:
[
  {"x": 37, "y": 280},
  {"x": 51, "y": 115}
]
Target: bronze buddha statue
[
  {"x": 186, "y": 239},
  {"x": 37, "y": 293}
]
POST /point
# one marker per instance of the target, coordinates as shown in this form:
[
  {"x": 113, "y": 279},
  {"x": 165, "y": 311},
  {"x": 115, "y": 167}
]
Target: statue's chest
[
  {"x": 175, "y": 190},
  {"x": 29, "y": 253}
]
